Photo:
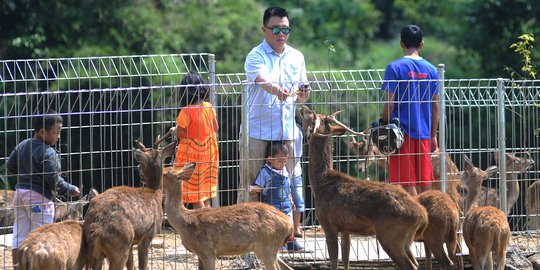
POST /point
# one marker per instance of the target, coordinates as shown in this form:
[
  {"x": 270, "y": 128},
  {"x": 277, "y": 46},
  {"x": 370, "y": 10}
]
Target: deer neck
[
  {"x": 471, "y": 199},
  {"x": 320, "y": 159},
  {"x": 153, "y": 175},
  {"x": 512, "y": 189},
  {"x": 177, "y": 214}
]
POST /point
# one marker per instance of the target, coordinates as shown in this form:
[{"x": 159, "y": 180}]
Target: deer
[
  {"x": 532, "y": 203},
  {"x": 53, "y": 246},
  {"x": 224, "y": 231},
  {"x": 369, "y": 153},
  {"x": 59, "y": 245},
  {"x": 125, "y": 216},
  {"x": 345, "y": 205},
  {"x": 442, "y": 208},
  {"x": 485, "y": 228},
  {"x": 442, "y": 228},
  {"x": 514, "y": 166}
]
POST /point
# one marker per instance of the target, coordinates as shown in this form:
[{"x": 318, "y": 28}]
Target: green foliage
[
  {"x": 466, "y": 35},
  {"x": 523, "y": 48}
]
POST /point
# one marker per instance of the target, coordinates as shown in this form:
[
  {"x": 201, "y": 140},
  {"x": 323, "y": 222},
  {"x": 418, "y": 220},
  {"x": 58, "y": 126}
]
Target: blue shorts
[{"x": 297, "y": 187}]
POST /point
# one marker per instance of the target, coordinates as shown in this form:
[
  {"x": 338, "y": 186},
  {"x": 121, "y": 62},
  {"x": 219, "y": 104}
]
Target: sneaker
[
  {"x": 294, "y": 246},
  {"x": 283, "y": 248}
]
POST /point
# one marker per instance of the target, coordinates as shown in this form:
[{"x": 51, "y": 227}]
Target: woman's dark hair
[
  {"x": 46, "y": 121},
  {"x": 276, "y": 147},
  {"x": 193, "y": 89},
  {"x": 274, "y": 11},
  {"x": 411, "y": 36}
]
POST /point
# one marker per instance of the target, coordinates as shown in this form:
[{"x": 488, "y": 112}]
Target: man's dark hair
[
  {"x": 46, "y": 121},
  {"x": 194, "y": 89},
  {"x": 411, "y": 36},
  {"x": 274, "y": 11},
  {"x": 276, "y": 147}
]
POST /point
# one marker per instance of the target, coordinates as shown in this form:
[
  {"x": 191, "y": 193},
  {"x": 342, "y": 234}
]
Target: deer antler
[
  {"x": 140, "y": 145},
  {"x": 335, "y": 121},
  {"x": 161, "y": 139}
]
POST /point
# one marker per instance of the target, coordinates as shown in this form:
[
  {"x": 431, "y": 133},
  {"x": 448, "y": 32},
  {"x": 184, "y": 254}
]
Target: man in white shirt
[{"x": 278, "y": 74}]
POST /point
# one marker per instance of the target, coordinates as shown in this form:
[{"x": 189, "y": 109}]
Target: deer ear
[
  {"x": 140, "y": 156},
  {"x": 469, "y": 166},
  {"x": 92, "y": 193},
  {"x": 187, "y": 171},
  {"x": 496, "y": 156},
  {"x": 168, "y": 151},
  {"x": 492, "y": 171},
  {"x": 307, "y": 113}
]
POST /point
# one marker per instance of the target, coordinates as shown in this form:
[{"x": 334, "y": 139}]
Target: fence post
[
  {"x": 212, "y": 77},
  {"x": 502, "y": 146},
  {"x": 442, "y": 127},
  {"x": 245, "y": 139},
  {"x": 213, "y": 101}
]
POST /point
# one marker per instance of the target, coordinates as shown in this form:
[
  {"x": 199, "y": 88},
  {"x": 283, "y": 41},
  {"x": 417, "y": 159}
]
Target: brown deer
[
  {"x": 224, "y": 231},
  {"x": 125, "y": 216},
  {"x": 344, "y": 205},
  {"x": 532, "y": 201},
  {"x": 53, "y": 246},
  {"x": 485, "y": 228},
  {"x": 442, "y": 208},
  {"x": 367, "y": 156},
  {"x": 514, "y": 166},
  {"x": 443, "y": 216},
  {"x": 59, "y": 245}
]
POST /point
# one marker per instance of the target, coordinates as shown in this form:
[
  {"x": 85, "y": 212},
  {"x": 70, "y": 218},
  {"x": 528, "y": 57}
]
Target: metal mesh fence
[{"x": 108, "y": 102}]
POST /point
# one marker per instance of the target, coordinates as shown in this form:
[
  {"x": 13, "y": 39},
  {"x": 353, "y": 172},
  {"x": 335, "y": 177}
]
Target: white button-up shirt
[{"x": 270, "y": 118}]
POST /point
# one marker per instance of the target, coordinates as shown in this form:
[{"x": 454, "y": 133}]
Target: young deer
[
  {"x": 54, "y": 246},
  {"x": 229, "y": 230},
  {"x": 124, "y": 216},
  {"x": 514, "y": 166},
  {"x": 443, "y": 217},
  {"x": 345, "y": 205},
  {"x": 485, "y": 228},
  {"x": 59, "y": 245}
]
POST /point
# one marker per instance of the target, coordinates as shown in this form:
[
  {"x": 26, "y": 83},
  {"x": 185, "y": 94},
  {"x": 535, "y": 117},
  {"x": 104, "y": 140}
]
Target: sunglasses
[{"x": 276, "y": 30}]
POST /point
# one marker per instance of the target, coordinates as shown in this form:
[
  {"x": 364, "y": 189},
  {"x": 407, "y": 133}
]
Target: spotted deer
[
  {"x": 122, "y": 217},
  {"x": 345, "y": 205},
  {"x": 485, "y": 228},
  {"x": 228, "y": 230},
  {"x": 442, "y": 228},
  {"x": 514, "y": 166}
]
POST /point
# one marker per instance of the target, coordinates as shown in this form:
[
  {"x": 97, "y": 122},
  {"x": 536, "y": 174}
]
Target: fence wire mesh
[{"x": 108, "y": 102}]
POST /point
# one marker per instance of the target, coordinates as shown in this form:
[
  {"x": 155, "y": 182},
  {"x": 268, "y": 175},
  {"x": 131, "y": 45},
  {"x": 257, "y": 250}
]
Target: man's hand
[
  {"x": 283, "y": 93},
  {"x": 434, "y": 144}
]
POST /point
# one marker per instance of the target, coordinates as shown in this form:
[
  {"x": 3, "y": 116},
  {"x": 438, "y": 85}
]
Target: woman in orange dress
[{"x": 196, "y": 128}]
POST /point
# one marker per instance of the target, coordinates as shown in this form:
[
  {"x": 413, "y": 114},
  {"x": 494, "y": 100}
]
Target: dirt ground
[{"x": 167, "y": 253}]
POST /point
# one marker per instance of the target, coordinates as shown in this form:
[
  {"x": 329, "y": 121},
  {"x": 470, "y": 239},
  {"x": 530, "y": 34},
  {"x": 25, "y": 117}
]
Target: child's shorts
[
  {"x": 32, "y": 210},
  {"x": 297, "y": 185}
]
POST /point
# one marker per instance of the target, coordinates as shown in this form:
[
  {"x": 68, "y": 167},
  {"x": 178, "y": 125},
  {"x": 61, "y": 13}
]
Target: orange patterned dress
[{"x": 197, "y": 127}]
